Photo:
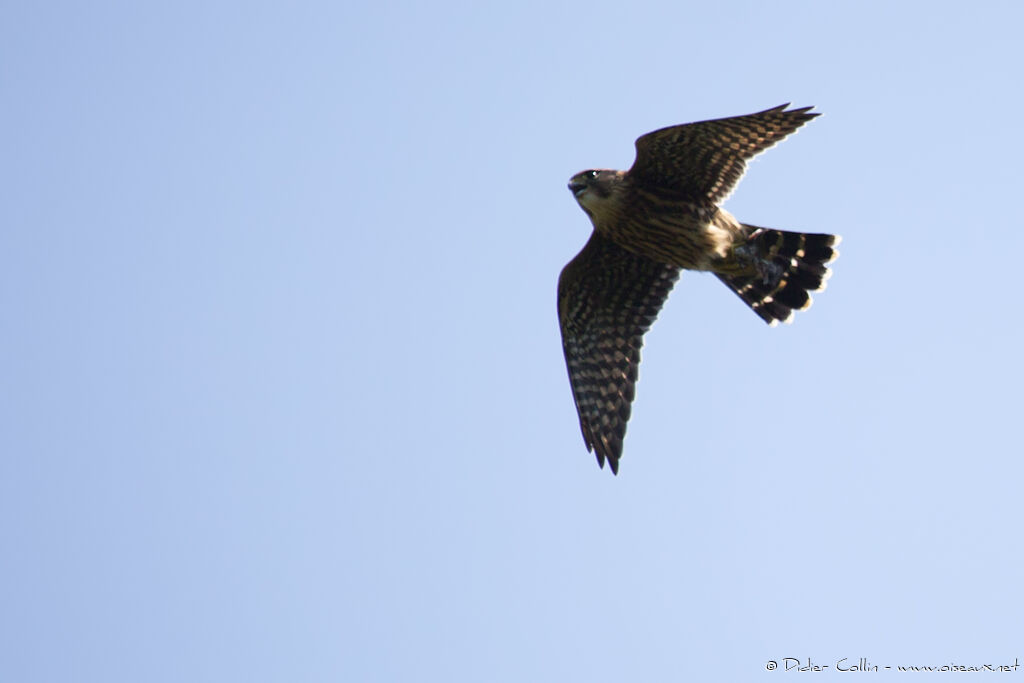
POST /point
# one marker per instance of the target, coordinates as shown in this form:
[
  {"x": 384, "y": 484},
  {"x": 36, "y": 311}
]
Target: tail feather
[{"x": 789, "y": 266}]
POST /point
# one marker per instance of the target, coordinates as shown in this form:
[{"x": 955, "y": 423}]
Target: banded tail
[{"x": 790, "y": 265}]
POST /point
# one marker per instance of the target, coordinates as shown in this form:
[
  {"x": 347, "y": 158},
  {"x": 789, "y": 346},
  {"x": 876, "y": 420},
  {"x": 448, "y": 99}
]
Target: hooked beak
[{"x": 577, "y": 187}]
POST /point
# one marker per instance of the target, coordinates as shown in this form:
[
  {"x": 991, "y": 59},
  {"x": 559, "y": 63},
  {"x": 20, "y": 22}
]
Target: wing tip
[
  {"x": 613, "y": 463},
  {"x": 804, "y": 112},
  {"x": 602, "y": 455}
]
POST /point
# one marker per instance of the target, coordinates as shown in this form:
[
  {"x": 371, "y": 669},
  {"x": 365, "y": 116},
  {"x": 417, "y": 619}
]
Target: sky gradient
[{"x": 284, "y": 396}]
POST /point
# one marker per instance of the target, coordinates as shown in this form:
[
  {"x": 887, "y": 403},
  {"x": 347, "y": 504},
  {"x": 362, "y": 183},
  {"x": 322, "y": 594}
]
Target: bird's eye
[{"x": 591, "y": 174}]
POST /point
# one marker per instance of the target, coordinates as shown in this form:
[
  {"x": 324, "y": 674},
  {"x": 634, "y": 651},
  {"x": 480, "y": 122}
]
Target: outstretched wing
[
  {"x": 607, "y": 299},
  {"x": 705, "y": 160}
]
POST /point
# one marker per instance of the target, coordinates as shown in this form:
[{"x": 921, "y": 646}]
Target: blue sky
[{"x": 284, "y": 396}]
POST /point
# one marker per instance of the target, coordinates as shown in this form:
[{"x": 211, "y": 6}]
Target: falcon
[{"x": 661, "y": 216}]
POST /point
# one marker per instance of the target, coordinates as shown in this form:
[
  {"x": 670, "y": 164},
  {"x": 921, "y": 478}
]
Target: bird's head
[{"x": 592, "y": 188}]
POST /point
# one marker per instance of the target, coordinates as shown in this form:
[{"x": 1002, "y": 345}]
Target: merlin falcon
[{"x": 659, "y": 217}]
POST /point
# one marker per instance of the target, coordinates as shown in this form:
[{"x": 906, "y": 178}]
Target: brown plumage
[{"x": 650, "y": 222}]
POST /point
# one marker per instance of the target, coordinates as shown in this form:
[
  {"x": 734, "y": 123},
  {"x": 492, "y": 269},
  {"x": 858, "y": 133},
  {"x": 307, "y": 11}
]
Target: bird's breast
[{"x": 682, "y": 233}]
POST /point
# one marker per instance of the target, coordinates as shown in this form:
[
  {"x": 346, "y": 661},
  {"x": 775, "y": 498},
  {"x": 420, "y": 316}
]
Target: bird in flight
[{"x": 650, "y": 222}]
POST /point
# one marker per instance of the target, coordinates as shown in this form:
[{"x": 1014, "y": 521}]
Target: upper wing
[
  {"x": 705, "y": 160},
  {"x": 607, "y": 299}
]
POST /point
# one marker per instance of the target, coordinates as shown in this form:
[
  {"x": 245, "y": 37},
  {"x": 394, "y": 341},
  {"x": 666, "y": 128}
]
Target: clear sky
[{"x": 283, "y": 395}]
